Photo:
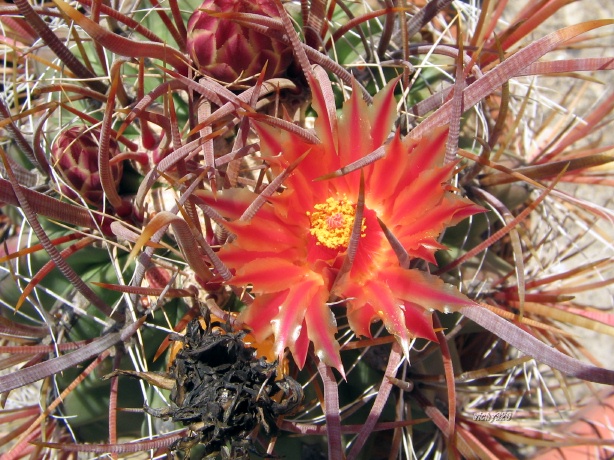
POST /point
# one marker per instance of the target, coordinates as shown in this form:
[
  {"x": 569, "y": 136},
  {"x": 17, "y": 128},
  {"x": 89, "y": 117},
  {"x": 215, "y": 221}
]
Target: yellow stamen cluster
[{"x": 332, "y": 221}]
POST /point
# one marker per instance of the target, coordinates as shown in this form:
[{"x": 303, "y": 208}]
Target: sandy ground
[{"x": 600, "y": 345}]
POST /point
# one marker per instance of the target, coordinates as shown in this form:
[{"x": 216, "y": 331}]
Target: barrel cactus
[{"x": 301, "y": 220}]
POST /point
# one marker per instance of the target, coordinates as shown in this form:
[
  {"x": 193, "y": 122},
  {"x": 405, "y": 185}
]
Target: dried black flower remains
[{"x": 222, "y": 391}]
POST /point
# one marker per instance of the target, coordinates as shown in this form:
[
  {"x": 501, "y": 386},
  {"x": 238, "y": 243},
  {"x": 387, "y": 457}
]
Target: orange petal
[
  {"x": 235, "y": 257},
  {"x": 373, "y": 249},
  {"x": 231, "y": 203},
  {"x": 428, "y": 152},
  {"x": 267, "y": 235},
  {"x": 322, "y": 327},
  {"x": 326, "y": 122},
  {"x": 387, "y": 307},
  {"x": 301, "y": 347},
  {"x": 381, "y": 180},
  {"x": 425, "y": 229},
  {"x": 360, "y": 319},
  {"x": 383, "y": 113},
  {"x": 423, "y": 195},
  {"x": 375, "y": 300},
  {"x": 428, "y": 291},
  {"x": 283, "y": 148},
  {"x": 288, "y": 324},
  {"x": 269, "y": 275},
  {"x": 260, "y": 313},
  {"x": 419, "y": 321},
  {"x": 355, "y": 130}
]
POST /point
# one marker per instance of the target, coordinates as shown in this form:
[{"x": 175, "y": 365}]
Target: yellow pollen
[{"x": 332, "y": 221}]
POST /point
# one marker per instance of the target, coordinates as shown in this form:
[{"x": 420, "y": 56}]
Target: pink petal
[
  {"x": 287, "y": 325},
  {"x": 360, "y": 312},
  {"x": 382, "y": 178},
  {"x": 422, "y": 247},
  {"x": 260, "y": 313},
  {"x": 355, "y": 130},
  {"x": 326, "y": 126},
  {"x": 283, "y": 148},
  {"x": 383, "y": 113},
  {"x": 427, "y": 152},
  {"x": 234, "y": 256},
  {"x": 419, "y": 321},
  {"x": 301, "y": 347},
  {"x": 373, "y": 249},
  {"x": 449, "y": 211},
  {"x": 301, "y": 195},
  {"x": 463, "y": 208},
  {"x": 405, "y": 160},
  {"x": 390, "y": 312},
  {"x": 230, "y": 203},
  {"x": 428, "y": 291},
  {"x": 264, "y": 235},
  {"x": 388, "y": 309},
  {"x": 274, "y": 142},
  {"x": 360, "y": 318},
  {"x": 321, "y": 326},
  {"x": 318, "y": 252},
  {"x": 421, "y": 196},
  {"x": 416, "y": 319},
  {"x": 272, "y": 275}
]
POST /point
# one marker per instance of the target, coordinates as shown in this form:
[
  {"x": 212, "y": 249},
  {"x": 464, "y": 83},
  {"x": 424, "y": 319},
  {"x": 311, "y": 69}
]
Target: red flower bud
[
  {"x": 227, "y": 51},
  {"x": 75, "y": 157}
]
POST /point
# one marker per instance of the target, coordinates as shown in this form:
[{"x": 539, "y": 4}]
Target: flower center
[{"x": 332, "y": 221}]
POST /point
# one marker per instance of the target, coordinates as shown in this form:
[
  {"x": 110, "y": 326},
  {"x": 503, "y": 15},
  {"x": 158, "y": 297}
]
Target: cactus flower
[
  {"x": 291, "y": 251},
  {"x": 75, "y": 157},
  {"x": 228, "y": 51}
]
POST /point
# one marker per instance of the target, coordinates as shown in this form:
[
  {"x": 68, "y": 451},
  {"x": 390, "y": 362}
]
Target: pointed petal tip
[
  {"x": 404, "y": 343},
  {"x": 329, "y": 176},
  {"x": 332, "y": 361}
]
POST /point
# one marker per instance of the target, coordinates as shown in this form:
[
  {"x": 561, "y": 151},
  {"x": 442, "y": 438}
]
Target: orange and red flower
[{"x": 292, "y": 250}]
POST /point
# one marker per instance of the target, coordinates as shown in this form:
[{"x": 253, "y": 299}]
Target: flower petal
[
  {"x": 423, "y": 194},
  {"x": 264, "y": 235},
  {"x": 301, "y": 347},
  {"x": 360, "y": 319},
  {"x": 388, "y": 309},
  {"x": 326, "y": 122},
  {"x": 419, "y": 321},
  {"x": 423, "y": 231},
  {"x": 322, "y": 326},
  {"x": 373, "y": 249},
  {"x": 288, "y": 324},
  {"x": 282, "y": 149},
  {"x": 235, "y": 257},
  {"x": 385, "y": 306},
  {"x": 382, "y": 177},
  {"x": 231, "y": 203},
  {"x": 405, "y": 160},
  {"x": 269, "y": 275},
  {"x": 427, "y": 152},
  {"x": 260, "y": 313},
  {"x": 355, "y": 141},
  {"x": 423, "y": 289},
  {"x": 382, "y": 115}
]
